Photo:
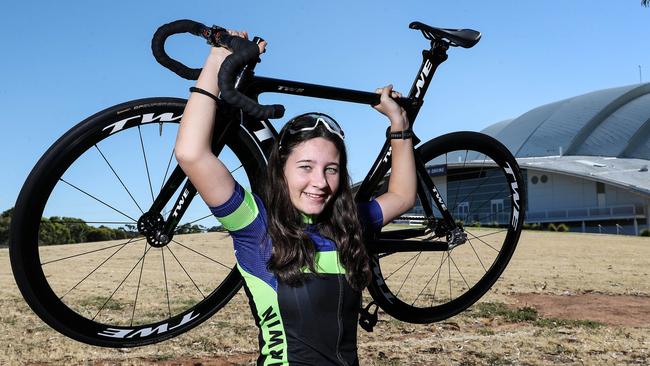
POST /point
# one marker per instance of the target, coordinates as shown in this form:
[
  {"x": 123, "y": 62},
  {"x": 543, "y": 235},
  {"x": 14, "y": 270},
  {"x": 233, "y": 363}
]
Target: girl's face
[{"x": 312, "y": 174}]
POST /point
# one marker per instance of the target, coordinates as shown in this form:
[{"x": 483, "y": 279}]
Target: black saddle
[{"x": 465, "y": 38}]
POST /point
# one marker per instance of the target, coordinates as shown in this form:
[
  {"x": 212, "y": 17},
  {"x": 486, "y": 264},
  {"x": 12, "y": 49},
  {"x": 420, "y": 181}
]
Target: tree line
[{"x": 68, "y": 230}]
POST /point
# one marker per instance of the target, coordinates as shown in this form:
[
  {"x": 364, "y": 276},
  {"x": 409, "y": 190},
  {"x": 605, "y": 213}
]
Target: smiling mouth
[{"x": 316, "y": 197}]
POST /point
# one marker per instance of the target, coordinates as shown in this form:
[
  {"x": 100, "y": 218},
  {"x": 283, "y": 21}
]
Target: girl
[{"x": 298, "y": 246}]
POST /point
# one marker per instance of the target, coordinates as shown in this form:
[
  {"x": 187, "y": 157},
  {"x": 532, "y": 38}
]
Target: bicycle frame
[{"x": 265, "y": 134}]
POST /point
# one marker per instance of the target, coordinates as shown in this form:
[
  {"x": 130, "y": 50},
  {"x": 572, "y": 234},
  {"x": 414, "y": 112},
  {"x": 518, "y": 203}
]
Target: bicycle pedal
[{"x": 368, "y": 320}]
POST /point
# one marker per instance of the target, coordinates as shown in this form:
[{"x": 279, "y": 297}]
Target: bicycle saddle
[{"x": 465, "y": 38}]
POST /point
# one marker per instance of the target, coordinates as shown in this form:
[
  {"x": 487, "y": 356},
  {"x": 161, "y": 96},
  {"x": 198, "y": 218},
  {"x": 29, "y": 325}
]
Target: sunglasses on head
[{"x": 310, "y": 121}]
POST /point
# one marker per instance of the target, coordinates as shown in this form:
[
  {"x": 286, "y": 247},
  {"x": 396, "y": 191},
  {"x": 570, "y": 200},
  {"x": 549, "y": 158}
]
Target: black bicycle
[{"x": 116, "y": 170}]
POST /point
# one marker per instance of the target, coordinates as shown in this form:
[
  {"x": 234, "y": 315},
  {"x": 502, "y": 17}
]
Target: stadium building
[{"x": 585, "y": 160}]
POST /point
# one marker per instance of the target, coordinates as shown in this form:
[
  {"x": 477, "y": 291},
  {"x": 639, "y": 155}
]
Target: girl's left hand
[{"x": 388, "y": 107}]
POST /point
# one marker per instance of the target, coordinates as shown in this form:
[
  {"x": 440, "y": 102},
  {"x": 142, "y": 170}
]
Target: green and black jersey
[{"x": 311, "y": 324}]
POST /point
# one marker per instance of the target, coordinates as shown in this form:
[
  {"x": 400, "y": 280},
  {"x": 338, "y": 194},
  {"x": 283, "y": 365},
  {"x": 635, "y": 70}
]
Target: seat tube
[
  {"x": 435, "y": 194},
  {"x": 431, "y": 59}
]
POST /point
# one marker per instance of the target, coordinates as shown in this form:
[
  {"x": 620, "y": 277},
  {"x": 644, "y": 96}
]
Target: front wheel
[
  {"x": 482, "y": 186},
  {"x": 76, "y": 248}
]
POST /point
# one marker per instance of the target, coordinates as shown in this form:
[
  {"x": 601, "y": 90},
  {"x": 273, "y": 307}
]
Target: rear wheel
[
  {"x": 76, "y": 251},
  {"x": 482, "y": 186}
]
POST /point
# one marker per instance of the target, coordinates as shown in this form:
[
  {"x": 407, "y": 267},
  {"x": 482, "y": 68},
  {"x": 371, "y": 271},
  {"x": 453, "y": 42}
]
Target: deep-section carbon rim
[
  {"x": 483, "y": 188},
  {"x": 123, "y": 292}
]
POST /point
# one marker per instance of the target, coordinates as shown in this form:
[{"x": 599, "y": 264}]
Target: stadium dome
[
  {"x": 612, "y": 122},
  {"x": 585, "y": 158}
]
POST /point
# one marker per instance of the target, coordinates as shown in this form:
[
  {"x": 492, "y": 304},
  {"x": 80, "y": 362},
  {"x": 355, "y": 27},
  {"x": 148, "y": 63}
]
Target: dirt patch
[
  {"x": 619, "y": 310},
  {"x": 241, "y": 359}
]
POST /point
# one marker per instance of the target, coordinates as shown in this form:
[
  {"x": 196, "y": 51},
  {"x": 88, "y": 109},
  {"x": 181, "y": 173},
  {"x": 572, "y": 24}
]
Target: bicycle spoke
[
  {"x": 203, "y": 255},
  {"x": 477, "y": 256},
  {"x": 491, "y": 214},
  {"x": 88, "y": 222},
  {"x": 458, "y": 269},
  {"x": 449, "y": 274},
  {"x": 435, "y": 288},
  {"x": 463, "y": 167},
  {"x": 137, "y": 290},
  {"x": 97, "y": 199},
  {"x": 405, "y": 263},
  {"x": 92, "y": 251},
  {"x": 482, "y": 241},
  {"x": 191, "y": 222},
  {"x": 169, "y": 163},
  {"x": 118, "y": 177},
  {"x": 184, "y": 270},
  {"x": 475, "y": 189},
  {"x": 427, "y": 284},
  {"x": 96, "y": 268},
  {"x": 169, "y": 307},
  {"x": 121, "y": 283},
  {"x": 492, "y": 233},
  {"x": 146, "y": 166},
  {"x": 408, "y": 274}
]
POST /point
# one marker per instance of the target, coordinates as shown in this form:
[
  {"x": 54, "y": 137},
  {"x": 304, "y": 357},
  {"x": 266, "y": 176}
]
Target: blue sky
[{"x": 63, "y": 61}]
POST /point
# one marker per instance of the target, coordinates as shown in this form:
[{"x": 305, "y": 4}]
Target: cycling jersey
[{"x": 311, "y": 324}]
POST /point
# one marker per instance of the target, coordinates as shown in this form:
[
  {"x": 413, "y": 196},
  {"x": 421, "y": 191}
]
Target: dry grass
[{"x": 546, "y": 263}]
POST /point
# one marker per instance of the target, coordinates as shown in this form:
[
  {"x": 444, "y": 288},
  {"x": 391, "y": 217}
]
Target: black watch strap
[{"x": 401, "y": 135}]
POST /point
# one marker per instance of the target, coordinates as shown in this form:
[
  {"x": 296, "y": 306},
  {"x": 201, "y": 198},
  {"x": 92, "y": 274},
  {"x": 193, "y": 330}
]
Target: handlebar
[
  {"x": 158, "y": 46},
  {"x": 244, "y": 53}
]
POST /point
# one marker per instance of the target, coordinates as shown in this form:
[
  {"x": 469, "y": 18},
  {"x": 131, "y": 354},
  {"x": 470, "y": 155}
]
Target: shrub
[
  {"x": 563, "y": 228},
  {"x": 560, "y": 228},
  {"x": 645, "y": 232},
  {"x": 534, "y": 226}
]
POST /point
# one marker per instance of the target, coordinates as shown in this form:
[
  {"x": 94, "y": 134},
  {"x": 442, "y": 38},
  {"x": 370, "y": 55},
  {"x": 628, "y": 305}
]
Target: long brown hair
[{"x": 293, "y": 249}]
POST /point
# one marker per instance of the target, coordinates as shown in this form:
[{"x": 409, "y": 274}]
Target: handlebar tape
[
  {"x": 244, "y": 52},
  {"x": 158, "y": 46}
]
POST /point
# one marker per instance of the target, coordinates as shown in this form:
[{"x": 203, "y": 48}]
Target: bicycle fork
[{"x": 158, "y": 230}]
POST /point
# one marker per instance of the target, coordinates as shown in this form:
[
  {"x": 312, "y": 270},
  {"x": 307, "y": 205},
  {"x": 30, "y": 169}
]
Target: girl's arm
[
  {"x": 193, "y": 152},
  {"x": 402, "y": 184}
]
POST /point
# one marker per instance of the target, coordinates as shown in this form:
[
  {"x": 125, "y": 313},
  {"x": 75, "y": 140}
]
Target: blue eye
[{"x": 332, "y": 170}]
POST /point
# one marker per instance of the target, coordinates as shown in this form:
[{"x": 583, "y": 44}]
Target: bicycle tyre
[
  {"x": 43, "y": 293},
  {"x": 462, "y": 186}
]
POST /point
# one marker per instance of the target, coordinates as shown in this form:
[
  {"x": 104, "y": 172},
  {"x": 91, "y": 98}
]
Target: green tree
[
  {"x": 66, "y": 230},
  {"x": 101, "y": 233},
  {"x": 5, "y": 223},
  {"x": 219, "y": 228},
  {"x": 190, "y": 229}
]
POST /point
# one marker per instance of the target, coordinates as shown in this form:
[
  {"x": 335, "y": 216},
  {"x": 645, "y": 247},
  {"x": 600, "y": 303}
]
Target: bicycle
[{"x": 459, "y": 239}]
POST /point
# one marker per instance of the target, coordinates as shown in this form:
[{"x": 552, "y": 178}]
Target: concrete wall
[{"x": 559, "y": 191}]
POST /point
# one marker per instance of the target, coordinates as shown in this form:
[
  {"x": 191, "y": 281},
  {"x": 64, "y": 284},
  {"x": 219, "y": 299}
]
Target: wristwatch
[{"x": 401, "y": 135}]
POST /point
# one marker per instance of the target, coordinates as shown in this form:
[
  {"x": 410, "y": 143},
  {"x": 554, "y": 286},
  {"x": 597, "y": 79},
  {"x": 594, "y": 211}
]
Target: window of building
[
  {"x": 497, "y": 211},
  {"x": 463, "y": 210}
]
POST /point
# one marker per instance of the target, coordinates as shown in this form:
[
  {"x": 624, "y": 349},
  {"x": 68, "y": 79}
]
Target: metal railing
[{"x": 587, "y": 213}]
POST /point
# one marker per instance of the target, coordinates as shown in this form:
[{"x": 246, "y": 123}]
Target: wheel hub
[{"x": 151, "y": 226}]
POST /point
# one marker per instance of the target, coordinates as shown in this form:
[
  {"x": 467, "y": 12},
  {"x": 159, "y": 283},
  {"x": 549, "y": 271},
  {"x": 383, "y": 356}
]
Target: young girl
[{"x": 298, "y": 246}]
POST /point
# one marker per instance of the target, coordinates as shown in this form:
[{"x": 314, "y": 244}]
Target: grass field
[{"x": 564, "y": 299}]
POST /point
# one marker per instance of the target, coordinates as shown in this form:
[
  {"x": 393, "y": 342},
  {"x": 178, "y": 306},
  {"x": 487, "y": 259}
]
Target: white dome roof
[{"x": 612, "y": 122}]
